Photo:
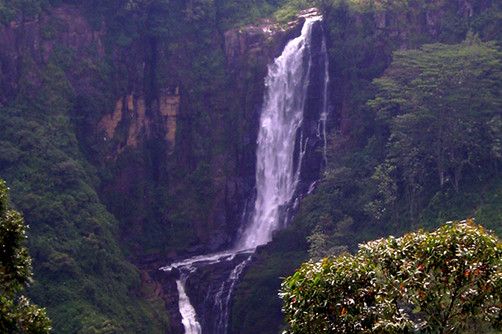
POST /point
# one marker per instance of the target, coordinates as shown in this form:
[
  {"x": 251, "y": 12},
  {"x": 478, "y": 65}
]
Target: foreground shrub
[
  {"x": 17, "y": 313},
  {"x": 438, "y": 282}
]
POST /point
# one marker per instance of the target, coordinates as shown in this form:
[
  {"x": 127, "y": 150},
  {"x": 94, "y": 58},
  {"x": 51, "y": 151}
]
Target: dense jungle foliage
[{"x": 82, "y": 274}]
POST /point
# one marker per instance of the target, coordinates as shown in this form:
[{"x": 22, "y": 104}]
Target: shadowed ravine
[{"x": 281, "y": 148}]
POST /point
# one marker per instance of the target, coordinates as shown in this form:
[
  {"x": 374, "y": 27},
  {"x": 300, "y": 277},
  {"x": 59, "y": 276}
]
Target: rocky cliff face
[
  {"x": 157, "y": 123},
  {"x": 112, "y": 118},
  {"x": 145, "y": 122},
  {"x": 137, "y": 119},
  {"x": 131, "y": 110},
  {"x": 135, "y": 111},
  {"x": 56, "y": 84},
  {"x": 27, "y": 46},
  {"x": 248, "y": 51}
]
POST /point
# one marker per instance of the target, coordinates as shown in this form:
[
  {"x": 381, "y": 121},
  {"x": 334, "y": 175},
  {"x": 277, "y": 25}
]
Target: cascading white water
[
  {"x": 188, "y": 314},
  {"x": 277, "y": 175},
  {"x": 321, "y": 129},
  {"x": 281, "y": 118},
  {"x": 226, "y": 288}
]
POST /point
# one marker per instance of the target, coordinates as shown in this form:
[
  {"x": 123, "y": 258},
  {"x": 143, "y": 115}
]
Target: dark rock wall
[
  {"x": 313, "y": 158},
  {"x": 135, "y": 113},
  {"x": 135, "y": 117}
]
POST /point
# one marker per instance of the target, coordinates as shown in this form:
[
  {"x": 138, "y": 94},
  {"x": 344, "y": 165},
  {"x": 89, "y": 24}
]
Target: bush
[{"x": 439, "y": 282}]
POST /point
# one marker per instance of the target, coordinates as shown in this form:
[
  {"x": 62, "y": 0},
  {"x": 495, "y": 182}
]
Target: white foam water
[
  {"x": 281, "y": 119},
  {"x": 188, "y": 314}
]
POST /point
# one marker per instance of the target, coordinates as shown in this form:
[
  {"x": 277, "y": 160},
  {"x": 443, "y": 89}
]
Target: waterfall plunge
[
  {"x": 188, "y": 315},
  {"x": 281, "y": 119},
  {"x": 277, "y": 172}
]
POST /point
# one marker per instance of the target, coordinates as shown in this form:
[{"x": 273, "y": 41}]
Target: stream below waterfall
[{"x": 281, "y": 146}]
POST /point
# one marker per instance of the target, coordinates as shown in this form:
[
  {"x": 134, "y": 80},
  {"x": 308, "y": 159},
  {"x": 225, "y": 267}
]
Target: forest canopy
[
  {"x": 416, "y": 147},
  {"x": 442, "y": 105}
]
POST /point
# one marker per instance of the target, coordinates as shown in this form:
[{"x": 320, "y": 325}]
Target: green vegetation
[
  {"x": 289, "y": 9},
  {"x": 24, "y": 9},
  {"x": 17, "y": 313},
  {"x": 422, "y": 140},
  {"x": 440, "y": 105},
  {"x": 254, "y": 311},
  {"x": 446, "y": 281},
  {"x": 241, "y": 12},
  {"x": 436, "y": 136},
  {"x": 82, "y": 275}
]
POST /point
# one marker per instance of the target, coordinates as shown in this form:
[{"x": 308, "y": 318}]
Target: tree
[
  {"x": 321, "y": 245},
  {"x": 438, "y": 282},
  {"x": 17, "y": 313},
  {"x": 442, "y": 105}
]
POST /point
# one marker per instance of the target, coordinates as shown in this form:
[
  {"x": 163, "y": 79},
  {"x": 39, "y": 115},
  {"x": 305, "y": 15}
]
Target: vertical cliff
[{"x": 140, "y": 135}]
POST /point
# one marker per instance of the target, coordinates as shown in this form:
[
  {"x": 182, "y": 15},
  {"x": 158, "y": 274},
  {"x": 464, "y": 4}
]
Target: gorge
[{"x": 229, "y": 141}]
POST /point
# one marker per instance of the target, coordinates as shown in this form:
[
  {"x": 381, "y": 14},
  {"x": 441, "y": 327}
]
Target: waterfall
[
  {"x": 188, "y": 314},
  {"x": 281, "y": 146},
  {"x": 281, "y": 118},
  {"x": 226, "y": 290}
]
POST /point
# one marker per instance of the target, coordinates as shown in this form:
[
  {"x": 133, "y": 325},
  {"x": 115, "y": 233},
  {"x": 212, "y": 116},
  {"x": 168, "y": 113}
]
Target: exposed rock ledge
[
  {"x": 266, "y": 37},
  {"x": 131, "y": 110}
]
